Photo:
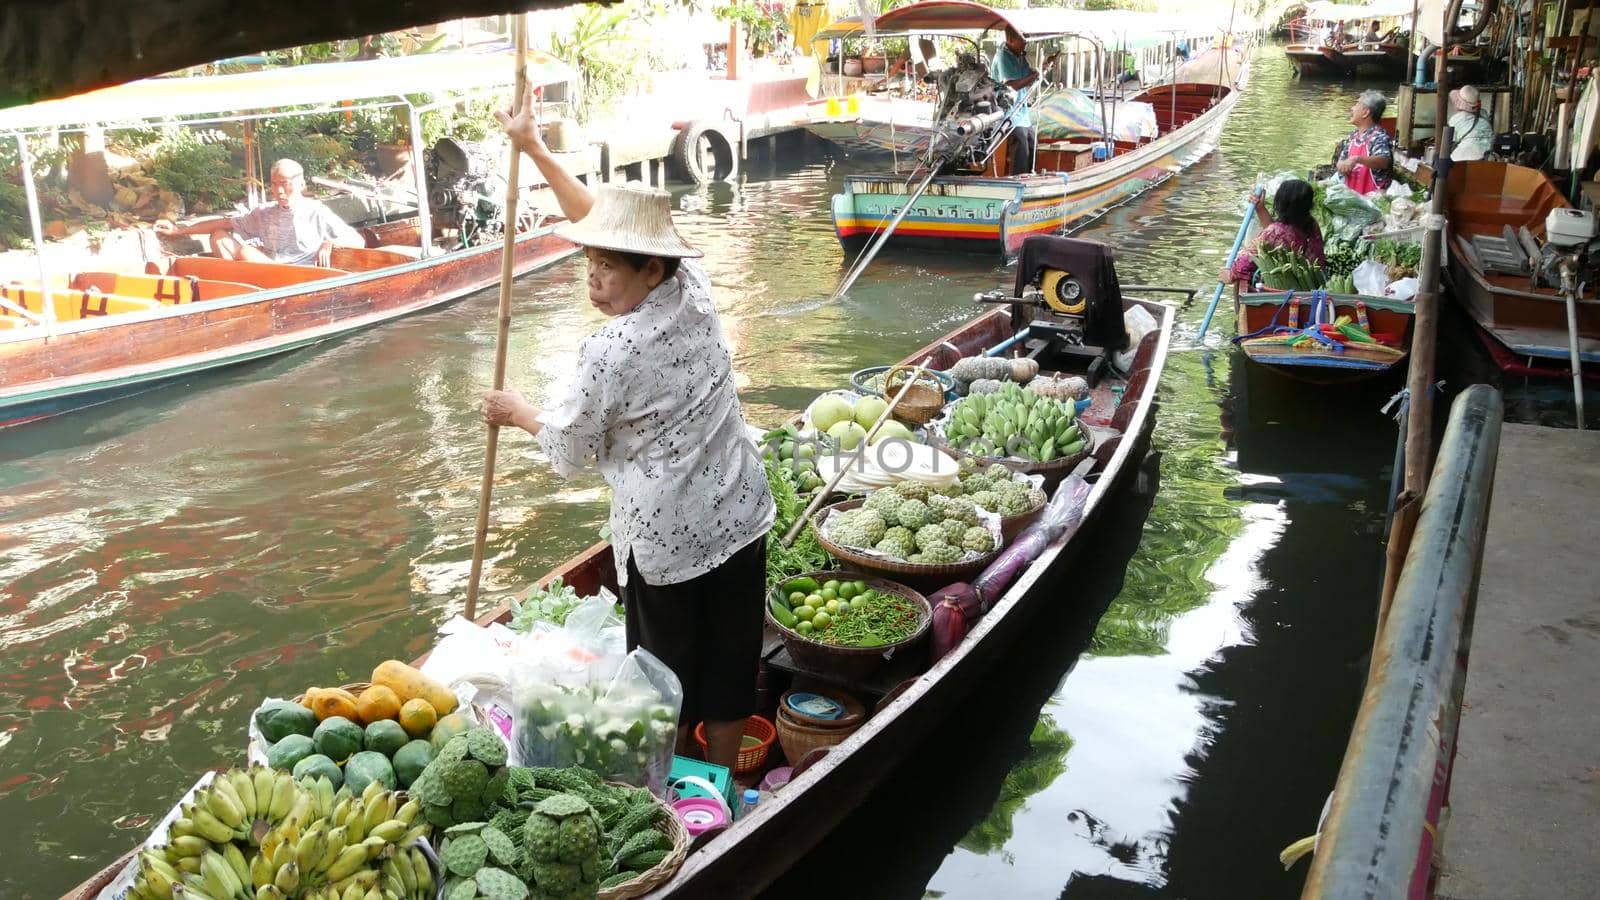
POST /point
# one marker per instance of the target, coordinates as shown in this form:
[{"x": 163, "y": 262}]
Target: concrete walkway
[{"x": 1525, "y": 799}]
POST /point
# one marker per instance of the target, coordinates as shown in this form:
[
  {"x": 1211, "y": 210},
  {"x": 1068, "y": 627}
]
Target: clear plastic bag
[
  {"x": 1348, "y": 212},
  {"x": 1371, "y": 278},
  {"x": 582, "y": 700}
]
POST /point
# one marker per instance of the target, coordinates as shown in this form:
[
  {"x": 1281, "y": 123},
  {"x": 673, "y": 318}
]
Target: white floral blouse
[{"x": 652, "y": 405}]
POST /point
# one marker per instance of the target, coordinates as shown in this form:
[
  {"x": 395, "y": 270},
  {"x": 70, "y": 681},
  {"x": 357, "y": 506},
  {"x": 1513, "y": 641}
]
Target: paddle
[
  {"x": 1238, "y": 241},
  {"x": 825, "y": 490},
  {"x": 502, "y": 336},
  {"x": 883, "y": 238}
]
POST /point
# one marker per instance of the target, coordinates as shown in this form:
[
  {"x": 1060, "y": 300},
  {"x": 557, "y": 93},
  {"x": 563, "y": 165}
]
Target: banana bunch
[
  {"x": 1014, "y": 422},
  {"x": 309, "y": 842}
]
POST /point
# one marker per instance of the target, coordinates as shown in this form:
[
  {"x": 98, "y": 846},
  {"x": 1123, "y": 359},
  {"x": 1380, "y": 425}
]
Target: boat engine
[
  {"x": 1067, "y": 295},
  {"x": 971, "y": 119},
  {"x": 466, "y": 190}
]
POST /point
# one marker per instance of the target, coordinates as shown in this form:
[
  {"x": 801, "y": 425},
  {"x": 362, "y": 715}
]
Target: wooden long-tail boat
[
  {"x": 1496, "y": 213},
  {"x": 993, "y": 210},
  {"x": 73, "y": 339},
  {"x": 746, "y": 857},
  {"x": 1317, "y": 61},
  {"x": 1272, "y": 330}
]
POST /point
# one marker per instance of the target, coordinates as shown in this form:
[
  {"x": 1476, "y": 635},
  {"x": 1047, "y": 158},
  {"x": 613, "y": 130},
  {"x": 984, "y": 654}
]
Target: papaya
[
  {"x": 408, "y": 684},
  {"x": 447, "y": 728},
  {"x": 329, "y": 702},
  {"x": 377, "y": 703},
  {"x": 417, "y": 717}
]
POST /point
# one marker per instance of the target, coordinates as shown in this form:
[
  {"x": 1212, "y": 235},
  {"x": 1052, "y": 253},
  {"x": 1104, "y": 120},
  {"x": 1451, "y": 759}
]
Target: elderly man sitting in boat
[{"x": 294, "y": 228}]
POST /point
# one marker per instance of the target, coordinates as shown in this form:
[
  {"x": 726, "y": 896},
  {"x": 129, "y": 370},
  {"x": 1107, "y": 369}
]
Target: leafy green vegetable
[
  {"x": 551, "y": 603},
  {"x": 805, "y": 554},
  {"x": 1287, "y": 269}
]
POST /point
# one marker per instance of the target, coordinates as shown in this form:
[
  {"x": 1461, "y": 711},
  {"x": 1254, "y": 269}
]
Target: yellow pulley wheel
[{"x": 1063, "y": 293}]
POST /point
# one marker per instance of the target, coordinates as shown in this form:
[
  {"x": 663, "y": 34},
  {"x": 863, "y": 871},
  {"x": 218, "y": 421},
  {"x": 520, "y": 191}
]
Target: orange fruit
[
  {"x": 377, "y": 703},
  {"x": 417, "y": 717}
]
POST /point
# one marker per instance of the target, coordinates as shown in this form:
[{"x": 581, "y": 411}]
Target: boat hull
[
  {"x": 979, "y": 214},
  {"x": 88, "y": 362},
  {"x": 1317, "y": 62},
  {"x": 1259, "y": 315},
  {"x": 1527, "y": 325}
]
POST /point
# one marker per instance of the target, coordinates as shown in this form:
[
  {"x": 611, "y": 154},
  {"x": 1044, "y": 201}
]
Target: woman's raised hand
[{"x": 522, "y": 126}]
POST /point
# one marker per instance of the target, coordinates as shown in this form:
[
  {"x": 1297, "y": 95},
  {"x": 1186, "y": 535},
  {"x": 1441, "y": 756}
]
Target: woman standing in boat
[
  {"x": 652, "y": 407},
  {"x": 1292, "y": 227},
  {"x": 1367, "y": 155}
]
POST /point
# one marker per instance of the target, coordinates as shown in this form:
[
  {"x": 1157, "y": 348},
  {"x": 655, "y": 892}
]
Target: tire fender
[{"x": 703, "y": 152}]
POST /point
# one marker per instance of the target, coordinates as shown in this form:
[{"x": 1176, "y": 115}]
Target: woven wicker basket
[
  {"x": 853, "y": 663},
  {"x": 661, "y": 872},
  {"x": 922, "y": 402},
  {"x": 958, "y": 571},
  {"x": 798, "y": 738}
]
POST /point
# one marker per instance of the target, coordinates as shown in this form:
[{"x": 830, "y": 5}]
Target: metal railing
[{"x": 1377, "y": 842}]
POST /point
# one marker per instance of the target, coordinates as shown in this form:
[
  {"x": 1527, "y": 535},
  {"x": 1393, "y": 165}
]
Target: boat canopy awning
[
  {"x": 1380, "y": 9},
  {"x": 320, "y": 84},
  {"x": 1112, "y": 28}
]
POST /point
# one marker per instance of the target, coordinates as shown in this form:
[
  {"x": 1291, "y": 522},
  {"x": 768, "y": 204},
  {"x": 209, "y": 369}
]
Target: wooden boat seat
[
  {"x": 169, "y": 289},
  {"x": 259, "y": 274},
  {"x": 366, "y": 259},
  {"x": 72, "y": 305}
]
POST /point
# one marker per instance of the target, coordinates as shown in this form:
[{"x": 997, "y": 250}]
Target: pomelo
[
  {"x": 848, "y": 434},
  {"x": 893, "y": 429},
  {"x": 868, "y": 409},
  {"x": 828, "y": 411}
]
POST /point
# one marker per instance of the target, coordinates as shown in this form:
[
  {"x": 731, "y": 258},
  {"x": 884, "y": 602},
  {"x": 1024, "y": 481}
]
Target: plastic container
[
  {"x": 748, "y": 801},
  {"x": 689, "y": 774}
]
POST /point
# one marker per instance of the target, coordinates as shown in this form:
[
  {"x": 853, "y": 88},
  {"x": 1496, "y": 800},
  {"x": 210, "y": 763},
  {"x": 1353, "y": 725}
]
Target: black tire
[{"x": 701, "y": 154}]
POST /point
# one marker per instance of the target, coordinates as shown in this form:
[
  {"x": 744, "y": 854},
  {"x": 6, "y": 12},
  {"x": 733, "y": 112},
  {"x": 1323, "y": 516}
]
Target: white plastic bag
[
  {"x": 1398, "y": 189},
  {"x": 1371, "y": 278},
  {"x": 1404, "y": 289}
]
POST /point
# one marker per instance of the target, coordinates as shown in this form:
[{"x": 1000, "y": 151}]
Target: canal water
[{"x": 1175, "y": 718}]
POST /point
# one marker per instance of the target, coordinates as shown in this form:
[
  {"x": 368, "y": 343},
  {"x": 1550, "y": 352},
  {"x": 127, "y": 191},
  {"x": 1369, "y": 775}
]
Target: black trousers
[
  {"x": 1023, "y": 143},
  {"x": 708, "y": 632}
]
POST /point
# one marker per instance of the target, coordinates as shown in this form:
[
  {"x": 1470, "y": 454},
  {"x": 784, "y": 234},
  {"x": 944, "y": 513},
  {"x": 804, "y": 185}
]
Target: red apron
[{"x": 1359, "y": 178}]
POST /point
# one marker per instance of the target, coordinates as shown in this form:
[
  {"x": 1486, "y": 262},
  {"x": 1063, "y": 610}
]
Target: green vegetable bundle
[
  {"x": 1342, "y": 258},
  {"x": 805, "y": 554},
  {"x": 623, "y": 736},
  {"x": 1285, "y": 268}
]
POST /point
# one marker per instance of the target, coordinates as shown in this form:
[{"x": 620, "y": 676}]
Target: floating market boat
[
  {"x": 1297, "y": 335},
  {"x": 74, "y": 339},
  {"x": 1497, "y": 217},
  {"x": 964, "y": 197},
  {"x": 1313, "y": 58},
  {"x": 1054, "y": 274}
]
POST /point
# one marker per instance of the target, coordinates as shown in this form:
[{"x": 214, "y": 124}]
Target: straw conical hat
[{"x": 631, "y": 218}]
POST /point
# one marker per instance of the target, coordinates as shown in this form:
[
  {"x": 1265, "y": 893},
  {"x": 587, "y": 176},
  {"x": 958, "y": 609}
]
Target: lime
[
  {"x": 861, "y": 587},
  {"x": 815, "y": 601},
  {"x": 831, "y": 586},
  {"x": 805, "y": 612},
  {"x": 829, "y": 593},
  {"x": 844, "y": 607},
  {"x": 805, "y": 450},
  {"x": 847, "y": 590},
  {"x": 796, "y": 598},
  {"x": 821, "y": 620},
  {"x": 805, "y": 627},
  {"x": 832, "y": 607}
]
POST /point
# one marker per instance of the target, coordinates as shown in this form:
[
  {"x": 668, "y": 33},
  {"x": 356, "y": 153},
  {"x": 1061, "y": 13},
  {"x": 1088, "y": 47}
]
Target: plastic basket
[{"x": 750, "y": 758}]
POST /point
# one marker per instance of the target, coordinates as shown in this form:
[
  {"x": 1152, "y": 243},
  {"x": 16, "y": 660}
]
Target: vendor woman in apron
[
  {"x": 652, "y": 407},
  {"x": 1366, "y": 157}
]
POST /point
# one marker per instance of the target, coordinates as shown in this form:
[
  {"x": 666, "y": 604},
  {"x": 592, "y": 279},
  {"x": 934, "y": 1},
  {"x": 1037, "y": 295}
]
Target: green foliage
[
  {"x": 197, "y": 165},
  {"x": 765, "y": 23},
  {"x": 320, "y": 147},
  {"x": 468, "y": 120},
  {"x": 1045, "y": 761},
  {"x": 605, "y": 48}
]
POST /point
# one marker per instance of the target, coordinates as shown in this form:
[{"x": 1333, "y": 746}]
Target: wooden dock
[{"x": 1525, "y": 794}]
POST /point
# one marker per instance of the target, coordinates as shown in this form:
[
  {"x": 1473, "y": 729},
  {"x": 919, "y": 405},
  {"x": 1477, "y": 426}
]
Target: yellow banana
[
  {"x": 245, "y": 787},
  {"x": 326, "y": 796},
  {"x": 408, "y": 875},
  {"x": 211, "y": 828},
  {"x": 424, "y": 872},
  {"x": 377, "y": 813},
  {"x": 270, "y": 892},
  {"x": 408, "y": 812},
  {"x": 265, "y": 780},
  {"x": 350, "y": 861},
  {"x": 302, "y": 811},
  {"x": 390, "y": 831},
  {"x": 192, "y": 892},
  {"x": 417, "y": 831},
  {"x": 373, "y": 894},
  {"x": 189, "y": 845},
  {"x": 311, "y": 847},
  {"x": 371, "y": 791},
  {"x": 181, "y": 827},
  {"x": 261, "y": 871},
  {"x": 189, "y": 865},
  {"x": 159, "y": 876},
  {"x": 375, "y": 846},
  {"x": 288, "y": 878},
  {"x": 284, "y": 792},
  {"x": 337, "y": 838},
  {"x": 217, "y": 876},
  {"x": 357, "y": 824},
  {"x": 224, "y": 802}
]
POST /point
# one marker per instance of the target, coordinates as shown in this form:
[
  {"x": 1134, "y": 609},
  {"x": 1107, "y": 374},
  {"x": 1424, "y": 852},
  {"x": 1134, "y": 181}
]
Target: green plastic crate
[{"x": 719, "y": 776}]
